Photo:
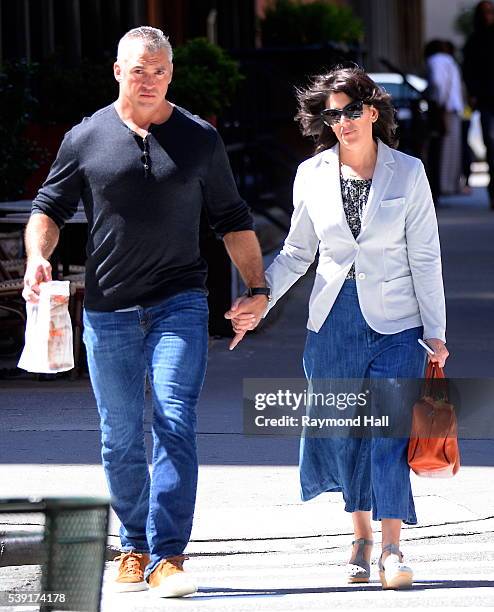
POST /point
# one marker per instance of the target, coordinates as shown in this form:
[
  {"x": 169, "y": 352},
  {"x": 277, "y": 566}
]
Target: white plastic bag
[{"x": 48, "y": 340}]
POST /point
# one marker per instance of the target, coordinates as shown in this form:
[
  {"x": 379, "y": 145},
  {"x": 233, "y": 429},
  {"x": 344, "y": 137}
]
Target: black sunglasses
[{"x": 353, "y": 110}]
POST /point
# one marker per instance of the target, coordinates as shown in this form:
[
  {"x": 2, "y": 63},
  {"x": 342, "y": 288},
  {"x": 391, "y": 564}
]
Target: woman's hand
[{"x": 440, "y": 351}]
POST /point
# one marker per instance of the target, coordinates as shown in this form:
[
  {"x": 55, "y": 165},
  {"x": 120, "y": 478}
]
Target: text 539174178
[{"x": 29, "y": 598}]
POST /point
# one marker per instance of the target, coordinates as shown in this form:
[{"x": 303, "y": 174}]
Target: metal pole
[
  {"x": 136, "y": 13},
  {"x": 27, "y": 29},
  {"x": 74, "y": 18},
  {"x": 48, "y": 20}
]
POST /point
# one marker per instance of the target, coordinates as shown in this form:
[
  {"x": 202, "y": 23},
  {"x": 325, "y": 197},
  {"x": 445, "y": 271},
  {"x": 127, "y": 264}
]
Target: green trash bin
[{"x": 71, "y": 549}]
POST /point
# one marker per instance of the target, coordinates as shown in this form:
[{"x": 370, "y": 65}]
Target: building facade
[{"x": 36, "y": 29}]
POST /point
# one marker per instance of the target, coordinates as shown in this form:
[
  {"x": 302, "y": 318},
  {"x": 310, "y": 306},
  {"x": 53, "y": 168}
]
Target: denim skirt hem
[{"x": 308, "y": 494}]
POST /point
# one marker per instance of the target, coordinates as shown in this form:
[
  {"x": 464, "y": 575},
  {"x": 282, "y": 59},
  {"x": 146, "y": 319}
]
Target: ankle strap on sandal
[
  {"x": 363, "y": 542},
  {"x": 393, "y": 549}
]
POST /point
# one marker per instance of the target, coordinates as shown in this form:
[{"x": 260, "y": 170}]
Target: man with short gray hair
[
  {"x": 145, "y": 169},
  {"x": 152, "y": 39}
]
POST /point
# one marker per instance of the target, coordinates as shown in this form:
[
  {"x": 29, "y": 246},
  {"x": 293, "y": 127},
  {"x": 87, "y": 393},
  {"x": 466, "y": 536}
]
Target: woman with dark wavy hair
[
  {"x": 357, "y": 85},
  {"x": 368, "y": 210}
]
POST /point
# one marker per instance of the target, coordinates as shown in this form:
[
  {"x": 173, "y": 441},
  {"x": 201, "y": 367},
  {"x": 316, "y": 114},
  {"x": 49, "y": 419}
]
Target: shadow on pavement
[{"x": 376, "y": 586}]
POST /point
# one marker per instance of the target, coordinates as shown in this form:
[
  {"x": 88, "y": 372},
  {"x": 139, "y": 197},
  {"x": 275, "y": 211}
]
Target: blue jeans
[
  {"x": 372, "y": 474},
  {"x": 168, "y": 342}
]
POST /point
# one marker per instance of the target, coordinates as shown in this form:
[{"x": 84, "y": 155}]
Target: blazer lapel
[{"x": 382, "y": 176}]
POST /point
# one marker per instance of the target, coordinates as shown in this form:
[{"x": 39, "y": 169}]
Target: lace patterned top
[{"x": 354, "y": 193}]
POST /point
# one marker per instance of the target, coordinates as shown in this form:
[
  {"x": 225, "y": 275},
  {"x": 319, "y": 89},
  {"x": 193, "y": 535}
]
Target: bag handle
[{"x": 435, "y": 373}]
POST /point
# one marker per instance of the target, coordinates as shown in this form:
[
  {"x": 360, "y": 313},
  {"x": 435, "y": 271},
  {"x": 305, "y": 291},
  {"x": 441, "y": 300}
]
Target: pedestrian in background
[
  {"x": 445, "y": 95},
  {"x": 367, "y": 208},
  {"x": 478, "y": 72},
  {"x": 467, "y": 155}
]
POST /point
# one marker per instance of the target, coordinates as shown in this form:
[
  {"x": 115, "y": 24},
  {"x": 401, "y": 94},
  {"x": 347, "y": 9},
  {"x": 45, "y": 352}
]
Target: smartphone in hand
[{"x": 425, "y": 346}]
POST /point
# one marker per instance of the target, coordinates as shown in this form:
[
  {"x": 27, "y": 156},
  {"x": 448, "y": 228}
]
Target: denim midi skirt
[{"x": 371, "y": 473}]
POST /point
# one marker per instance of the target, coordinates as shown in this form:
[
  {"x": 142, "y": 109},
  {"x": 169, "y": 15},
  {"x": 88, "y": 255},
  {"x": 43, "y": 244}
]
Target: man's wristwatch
[{"x": 251, "y": 291}]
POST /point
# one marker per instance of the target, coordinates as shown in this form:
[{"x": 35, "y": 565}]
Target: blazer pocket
[
  {"x": 393, "y": 202},
  {"x": 399, "y": 300}
]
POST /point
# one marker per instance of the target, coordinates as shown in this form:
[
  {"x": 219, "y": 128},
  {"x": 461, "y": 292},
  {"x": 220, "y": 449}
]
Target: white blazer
[{"x": 397, "y": 254}]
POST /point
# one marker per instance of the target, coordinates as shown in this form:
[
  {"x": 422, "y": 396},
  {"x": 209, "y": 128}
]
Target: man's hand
[
  {"x": 41, "y": 238},
  {"x": 245, "y": 314},
  {"x": 38, "y": 270},
  {"x": 440, "y": 351}
]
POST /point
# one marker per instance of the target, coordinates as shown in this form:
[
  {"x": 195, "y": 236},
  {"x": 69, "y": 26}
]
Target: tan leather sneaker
[
  {"x": 168, "y": 578},
  {"x": 131, "y": 572}
]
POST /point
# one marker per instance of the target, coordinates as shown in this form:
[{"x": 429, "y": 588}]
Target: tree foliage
[
  {"x": 205, "y": 78},
  {"x": 291, "y": 22}
]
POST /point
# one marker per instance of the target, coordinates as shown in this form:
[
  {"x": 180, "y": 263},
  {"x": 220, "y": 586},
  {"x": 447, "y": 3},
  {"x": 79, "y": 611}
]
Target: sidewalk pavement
[{"x": 254, "y": 544}]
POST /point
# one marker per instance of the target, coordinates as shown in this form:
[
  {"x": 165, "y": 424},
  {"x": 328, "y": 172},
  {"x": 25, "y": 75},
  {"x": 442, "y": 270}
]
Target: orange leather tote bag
[{"x": 433, "y": 448}]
